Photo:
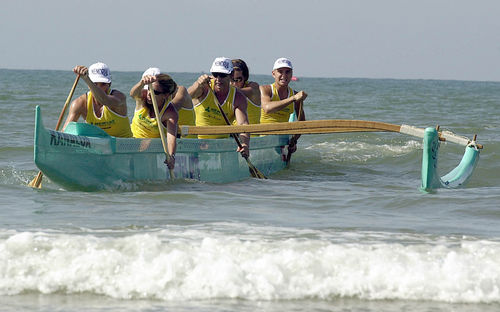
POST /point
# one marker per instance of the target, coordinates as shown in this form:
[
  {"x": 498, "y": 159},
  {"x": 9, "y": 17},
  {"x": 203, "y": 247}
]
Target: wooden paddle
[
  {"x": 160, "y": 129},
  {"x": 37, "y": 181},
  {"x": 253, "y": 170},
  {"x": 295, "y": 138}
]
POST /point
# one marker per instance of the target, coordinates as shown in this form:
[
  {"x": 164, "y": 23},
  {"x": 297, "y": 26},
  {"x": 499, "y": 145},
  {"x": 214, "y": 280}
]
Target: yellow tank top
[
  {"x": 144, "y": 126},
  {"x": 208, "y": 114},
  {"x": 114, "y": 124},
  {"x": 186, "y": 117},
  {"x": 253, "y": 111},
  {"x": 279, "y": 116}
]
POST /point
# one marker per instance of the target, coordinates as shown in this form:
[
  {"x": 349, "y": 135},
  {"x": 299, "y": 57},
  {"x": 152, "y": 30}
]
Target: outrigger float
[{"x": 84, "y": 157}]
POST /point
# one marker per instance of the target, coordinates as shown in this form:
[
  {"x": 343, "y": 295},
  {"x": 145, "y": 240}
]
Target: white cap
[
  {"x": 222, "y": 65},
  {"x": 282, "y": 62},
  {"x": 99, "y": 72},
  {"x": 152, "y": 71}
]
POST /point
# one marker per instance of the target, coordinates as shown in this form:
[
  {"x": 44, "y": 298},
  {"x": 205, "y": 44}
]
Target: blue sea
[{"x": 345, "y": 228}]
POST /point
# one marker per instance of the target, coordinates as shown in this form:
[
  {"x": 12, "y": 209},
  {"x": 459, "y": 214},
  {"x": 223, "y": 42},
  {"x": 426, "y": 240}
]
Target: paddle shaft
[
  {"x": 37, "y": 181},
  {"x": 68, "y": 99},
  {"x": 295, "y": 138},
  {"x": 234, "y": 135},
  {"x": 254, "y": 171},
  {"x": 159, "y": 122}
]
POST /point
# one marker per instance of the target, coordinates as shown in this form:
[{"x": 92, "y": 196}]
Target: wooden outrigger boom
[
  {"x": 322, "y": 126},
  {"x": 297, "y": 127},
  {"x": 431, "y": 141}
]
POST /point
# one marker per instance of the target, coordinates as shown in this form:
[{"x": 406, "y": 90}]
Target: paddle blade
[
  {"x": 254, "y": 172},
  {"x": 37, "y": 181},
  {"x": 287, "y": 161},
  {"x": 293, "y": 141}
]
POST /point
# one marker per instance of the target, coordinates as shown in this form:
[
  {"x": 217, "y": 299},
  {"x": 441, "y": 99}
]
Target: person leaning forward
[
  {"x": 144, "y": 124},
  {"x": 278, "y": 100},
  {"x": 102, "y": 106},
  {"x": 211, "y": 92},
  {"x": 180, "y": 99},
  {"x": 239, "y": 79}
]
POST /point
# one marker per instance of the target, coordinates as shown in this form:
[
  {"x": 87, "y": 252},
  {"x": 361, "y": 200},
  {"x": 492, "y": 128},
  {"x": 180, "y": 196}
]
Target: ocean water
[{"x": 345, "y": 228}]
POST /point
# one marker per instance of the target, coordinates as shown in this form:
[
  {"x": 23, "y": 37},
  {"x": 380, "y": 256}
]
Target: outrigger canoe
[{"x": 85, "y": 157}]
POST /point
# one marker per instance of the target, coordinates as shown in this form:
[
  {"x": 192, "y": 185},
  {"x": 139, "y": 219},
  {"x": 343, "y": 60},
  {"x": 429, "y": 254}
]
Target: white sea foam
[
  {"x": 201, "y": 264},
  {"x": 364, "y": 151}
]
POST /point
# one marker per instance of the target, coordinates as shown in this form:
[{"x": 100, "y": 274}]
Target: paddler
[
  {"x": 210, "y": 92},
  {"x": 168, "y": 95},
  {"x": 180, "y": 100},
  {"x": 239, "y": 79},
  {"x": 102, "y": 106},
  {"x": 279, "y": 101}
]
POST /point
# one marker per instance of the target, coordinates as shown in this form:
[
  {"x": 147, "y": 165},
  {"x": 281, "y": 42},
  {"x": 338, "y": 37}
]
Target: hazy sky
[{"x": 422, "y": 39}]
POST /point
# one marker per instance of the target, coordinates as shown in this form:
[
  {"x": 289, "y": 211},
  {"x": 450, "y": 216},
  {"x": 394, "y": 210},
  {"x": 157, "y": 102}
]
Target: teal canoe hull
[
  {"x": 85, "y": 158},
  {"x": 457, "y": 177}
]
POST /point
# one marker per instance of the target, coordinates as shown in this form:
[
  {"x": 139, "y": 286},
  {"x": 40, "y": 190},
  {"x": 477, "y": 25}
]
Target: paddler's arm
[
  {"x": 274, "y": 106},
  {"x": 77, "y": 108},
  {"x": 116, "y": 101},
  {"x": 170, "y": 119},
  {"x": 252, "y": 91},
  {"x": 301, "y": 116},
  {"x": 138, "y": 88},
  {"x": 240, "y": 113},
  {"x": 199, "y": 87},
  {"x": 299, "y": 105},
  {"x": 136, "y": 91},
  {"x": 182, "y": 98}
]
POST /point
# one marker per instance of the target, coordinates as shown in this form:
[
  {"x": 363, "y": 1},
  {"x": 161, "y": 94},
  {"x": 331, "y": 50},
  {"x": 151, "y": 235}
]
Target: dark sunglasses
[
  {"x": 239, "y": 79},
  {"x": 219, "y": 75},
  {"x": 158, "y": 92}
]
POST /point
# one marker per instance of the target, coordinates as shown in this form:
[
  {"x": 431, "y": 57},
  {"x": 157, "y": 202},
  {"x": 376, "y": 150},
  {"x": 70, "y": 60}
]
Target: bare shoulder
[
  {"x": 117, "y": 93},
  {"x": 265, "y": 90},
  {"x": 182, "y": 98},
  {"x": 198, "y": 91},
  {"x": 253, "y": 85},
  {"x": 203, "y": 94},
  {"x": 81, "y": 100},
  {"x": 239, "y": 98},
  {"x": 82, "y": 97},
  {"x": 119, "y": 102},
  {"x": 79, "y": 105},
  {"x": 182, "y": 91}
]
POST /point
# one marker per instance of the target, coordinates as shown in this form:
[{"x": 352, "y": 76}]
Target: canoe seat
[{"x": 85, "y": 129}]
